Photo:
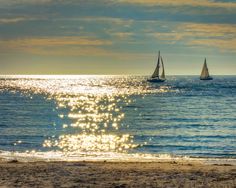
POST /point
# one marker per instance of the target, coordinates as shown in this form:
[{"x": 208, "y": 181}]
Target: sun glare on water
[
  {"x": 98, "y": 118},
  {"x": 94, "y": 107}
]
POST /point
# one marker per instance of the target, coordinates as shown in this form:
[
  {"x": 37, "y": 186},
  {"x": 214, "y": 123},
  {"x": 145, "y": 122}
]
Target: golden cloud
[
  {"x": 11, "y": 20},
  {"x": 223, "y": 45},
  {"x": 205, "y": 3},
  {"x": 17, "y": 19},
  {"x": 53, "y": 41},
  {"x": 121, "y": 35},
  {"x": 210, "y": 29},
  {"x": 221, "y": 36},
  {"x": 20, "y": 2},
  {"x": 64, "y": 46},
  {"x": 55, "y": 45},
  {"x": 116, "y": 21},
  {"x": 72, "y": 51}
]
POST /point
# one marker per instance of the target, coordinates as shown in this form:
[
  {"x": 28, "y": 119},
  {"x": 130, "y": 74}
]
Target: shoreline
[
  {"x": 110, "y": 157},
  {"x": 116, "y": 174}
]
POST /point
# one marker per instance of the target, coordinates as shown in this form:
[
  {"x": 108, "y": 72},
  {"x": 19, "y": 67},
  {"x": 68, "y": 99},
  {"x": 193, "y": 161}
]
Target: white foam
[{"x": 108, "y": 156}]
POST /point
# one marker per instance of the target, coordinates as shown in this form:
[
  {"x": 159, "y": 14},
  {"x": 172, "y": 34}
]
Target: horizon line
[{"x": 109, "y": 75}]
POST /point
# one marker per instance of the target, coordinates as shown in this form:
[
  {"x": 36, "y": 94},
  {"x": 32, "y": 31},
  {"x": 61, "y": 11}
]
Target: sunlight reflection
[
  {"x": 75, "y": 144},
  {"x": 96, "y": 116},
  {"x": 94, "y": 107}
]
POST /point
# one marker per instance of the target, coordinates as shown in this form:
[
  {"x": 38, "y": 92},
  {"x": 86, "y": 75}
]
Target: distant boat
[
  {"x": 205, "y": 73},
  {"x": 155, "y": 76}
]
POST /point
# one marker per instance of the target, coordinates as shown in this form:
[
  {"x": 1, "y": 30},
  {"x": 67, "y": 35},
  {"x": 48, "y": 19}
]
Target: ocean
[{"x": 117, "y": 117}]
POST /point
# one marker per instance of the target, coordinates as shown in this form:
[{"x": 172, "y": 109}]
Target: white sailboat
[
  {"x": 205, "y": 73},
  {"x": 156, "y": 75}
]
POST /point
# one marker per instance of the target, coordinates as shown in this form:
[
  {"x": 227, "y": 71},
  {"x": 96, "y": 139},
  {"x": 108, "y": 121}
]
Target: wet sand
[{"x": 116, "y": 174}]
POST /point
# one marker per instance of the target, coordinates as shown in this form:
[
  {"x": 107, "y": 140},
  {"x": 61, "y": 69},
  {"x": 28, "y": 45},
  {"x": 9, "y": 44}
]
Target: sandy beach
[{"x": 116, "y": 174}]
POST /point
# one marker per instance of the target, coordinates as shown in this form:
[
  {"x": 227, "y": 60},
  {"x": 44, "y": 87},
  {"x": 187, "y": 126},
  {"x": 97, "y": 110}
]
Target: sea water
[{"x": 117, "y": 117}]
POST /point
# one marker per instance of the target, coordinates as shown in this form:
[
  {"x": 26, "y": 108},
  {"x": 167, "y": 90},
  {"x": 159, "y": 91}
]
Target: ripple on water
[{"x": 84, "y": 115}]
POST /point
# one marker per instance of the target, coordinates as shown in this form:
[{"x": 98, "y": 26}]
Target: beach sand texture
[{"x": 116, "y": 174}]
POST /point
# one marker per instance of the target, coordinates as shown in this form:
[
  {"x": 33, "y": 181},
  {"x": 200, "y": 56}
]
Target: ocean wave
[{"x": 52, "y": 156}]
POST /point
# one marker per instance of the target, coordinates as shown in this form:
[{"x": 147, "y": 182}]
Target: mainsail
[
  {"x": 156, "y": 72},
  {"x": 163, "y": 70},
  {"x": 156, "y": 77},
  {"x": 205, "y": 72}
]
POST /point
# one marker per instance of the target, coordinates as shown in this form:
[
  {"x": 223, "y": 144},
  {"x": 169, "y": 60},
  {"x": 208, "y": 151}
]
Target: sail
[
  {"x": 205, "y": 72},
  {"x": 156, "y": 72},
  {"x": 163, "y": 70}
]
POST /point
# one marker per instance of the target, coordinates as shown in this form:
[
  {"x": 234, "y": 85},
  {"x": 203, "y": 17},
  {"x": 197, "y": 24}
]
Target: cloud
[
  {"x": 203, "y": 3},
  {"x": 100, "y": 19},
  {"x": 63, "y": 51},
  {"x": 199, "y": 30},
  {"x": 55, "y": 45},
  {"x": 222, "y": 44},
  {"x": 23, "y": 2},
  {"x": 220, "y": 36},
  {"x": 210, "y": 29},
  {"x": 167, "y": 36},
  {"x": 55, "y": 41},
  {"x": 123, "y": 35},
  {"x": 11, "y": 20},
  {"x": 68, "y": 47},
  {"x": 120, "y": 35},
  {"x": 18, "y": 19},
  {"x": 194, "y": 3}
]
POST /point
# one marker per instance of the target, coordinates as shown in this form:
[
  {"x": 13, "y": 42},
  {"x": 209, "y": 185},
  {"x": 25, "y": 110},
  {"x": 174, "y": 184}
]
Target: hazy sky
[{"x": 117, "y": 36}]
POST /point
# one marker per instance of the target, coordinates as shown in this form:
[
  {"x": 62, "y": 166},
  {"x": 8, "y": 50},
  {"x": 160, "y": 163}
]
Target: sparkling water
[{"x": 117, "y": 116}]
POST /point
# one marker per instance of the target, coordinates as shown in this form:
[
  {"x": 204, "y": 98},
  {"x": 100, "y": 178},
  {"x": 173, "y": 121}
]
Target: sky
[{"x": 117, "y": 36}]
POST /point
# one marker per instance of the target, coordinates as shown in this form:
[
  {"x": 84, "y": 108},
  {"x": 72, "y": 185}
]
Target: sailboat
[
  {"x": 155, "y": 76},
  {"x": 205, "y": 73}
]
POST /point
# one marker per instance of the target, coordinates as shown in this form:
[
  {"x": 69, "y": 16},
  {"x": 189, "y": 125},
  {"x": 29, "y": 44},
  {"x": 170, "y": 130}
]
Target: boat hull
[
  {"x": 156, "y": 80},
  {"x": 209, "y": 78}
]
